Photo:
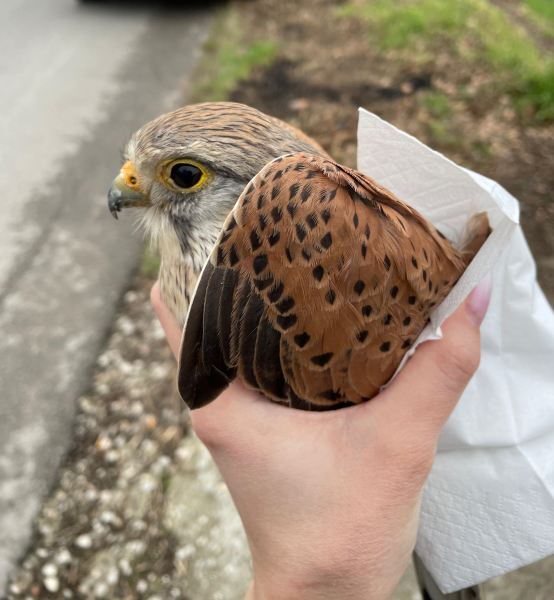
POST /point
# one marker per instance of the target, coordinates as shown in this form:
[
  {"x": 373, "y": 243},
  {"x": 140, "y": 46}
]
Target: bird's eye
[{"x": 186, "y": 175}]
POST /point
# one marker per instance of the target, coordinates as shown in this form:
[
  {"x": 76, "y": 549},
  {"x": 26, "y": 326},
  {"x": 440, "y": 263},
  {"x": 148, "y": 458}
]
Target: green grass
[
  {"x": 541, "y": 12},
  {"x": 475, "y": 30},
  {"x": 228, "y": 59},
  {"x": 542, "y": 8},
  {"x": 437, "y": 105}
]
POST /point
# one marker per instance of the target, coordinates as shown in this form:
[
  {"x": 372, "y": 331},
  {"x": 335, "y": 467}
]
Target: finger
[
  {"x": 167, "y": 319},
  {"x": 426, "y": 391}
]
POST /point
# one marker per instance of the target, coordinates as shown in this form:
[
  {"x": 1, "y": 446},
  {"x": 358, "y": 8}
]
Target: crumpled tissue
[{"x": 488, "y": 505}]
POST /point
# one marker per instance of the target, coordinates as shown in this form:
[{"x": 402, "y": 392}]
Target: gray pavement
[{"x": 76, "y": 81}]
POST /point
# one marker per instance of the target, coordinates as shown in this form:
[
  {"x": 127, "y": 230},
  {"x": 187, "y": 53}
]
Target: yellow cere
[{"x": 129, "y": 174}]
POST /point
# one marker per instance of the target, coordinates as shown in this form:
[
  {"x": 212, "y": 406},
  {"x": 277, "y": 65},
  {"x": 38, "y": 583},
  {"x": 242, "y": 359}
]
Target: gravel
[{"x": 140, "y": 510}]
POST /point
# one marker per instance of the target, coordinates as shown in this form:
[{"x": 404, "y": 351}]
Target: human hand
[{"x": 330, "y": 500}]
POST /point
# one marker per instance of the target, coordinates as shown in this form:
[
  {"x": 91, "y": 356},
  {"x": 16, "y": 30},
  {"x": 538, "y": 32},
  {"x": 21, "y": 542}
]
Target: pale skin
[{"x": 330, "y": 500}]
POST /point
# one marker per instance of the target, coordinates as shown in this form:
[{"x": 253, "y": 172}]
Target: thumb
[{"x": 428, "y": 388}]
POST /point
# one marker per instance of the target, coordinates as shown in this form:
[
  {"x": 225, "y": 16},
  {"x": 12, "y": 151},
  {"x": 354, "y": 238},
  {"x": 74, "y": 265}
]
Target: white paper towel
[{"x": 488, "y": 505}]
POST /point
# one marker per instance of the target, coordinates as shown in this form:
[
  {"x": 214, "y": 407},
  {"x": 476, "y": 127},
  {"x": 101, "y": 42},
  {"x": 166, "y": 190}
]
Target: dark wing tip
[{"x": 198, "y": 386}]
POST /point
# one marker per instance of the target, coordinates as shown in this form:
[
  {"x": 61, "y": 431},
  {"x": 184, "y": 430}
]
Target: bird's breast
[{"x": 177, "y": 281}]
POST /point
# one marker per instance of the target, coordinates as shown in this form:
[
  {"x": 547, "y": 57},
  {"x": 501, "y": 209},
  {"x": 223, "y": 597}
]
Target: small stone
[
  {"x": 138, "y": 525},
  {"x": 106, "y": 496},
  {"x": 160, "y": 371},
  {"x": 63, "y": 557},
  {"x": 110, "y": 518},
  {"x": 111, "y": 456},
  {"x": 82, "y": 465},
  {"x": 136, "y": 409},
  {"x": 150, "y": 421},
  {"x": 149, "y": 448},
  {"x": 41, "y": 552},
  {"x": 91, "y": 495},
  {"x": 125, "y": 567},
  {"x": 103, "y": 443},
  {"x": 52, "y": 584},
  {"x": 126, "y": 367},
  {"x": 113, "y": 576},
  {"x": 158, "y": 333},
  {"x": 407, "y": 88},
  {"x": 84, "y": 541},
  {"x": 99, "y": 529},
  {"x": 90, "y": 408},
  {"x": 160, "y": 465},
  {"x": 299, "y": 104},
  {"x": 15, "y": 589},
  {"x": 184, "y": 452},
  {"x": 67, "y": 593},
  {"x": 45, "y": 529},
  {"x": 101, "y": 589},
  {"x": 164, "y": 462},
  {"x": 49, "y": 570},
  {"x": 119, "y": 441},
  {"x": 103, "y": 360},
  {"x": 184, "y": 552},
  {"x": 135, "y": 548},
  {"x": 142, "y": 586},
  {"x": 126, "y": 326}
]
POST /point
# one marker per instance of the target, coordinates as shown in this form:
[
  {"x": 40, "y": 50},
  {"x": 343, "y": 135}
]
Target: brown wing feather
[{"x": 336, "y": 279}]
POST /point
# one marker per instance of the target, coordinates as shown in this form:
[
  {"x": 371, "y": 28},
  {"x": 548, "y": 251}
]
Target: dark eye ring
[{"x": 185, "y": 175}]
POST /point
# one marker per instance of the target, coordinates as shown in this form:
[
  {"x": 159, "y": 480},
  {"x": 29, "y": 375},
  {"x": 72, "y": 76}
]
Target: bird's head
[{"x": 187, "y": 169}]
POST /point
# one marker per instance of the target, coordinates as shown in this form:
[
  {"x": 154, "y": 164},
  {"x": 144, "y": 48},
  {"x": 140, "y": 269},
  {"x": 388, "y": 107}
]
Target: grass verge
[
  {"x": 542, "y": 8},
  {"x": 228, "y": 58},
  {"x": 541, "y": 12},
  {"x": 475, "y": 30}
]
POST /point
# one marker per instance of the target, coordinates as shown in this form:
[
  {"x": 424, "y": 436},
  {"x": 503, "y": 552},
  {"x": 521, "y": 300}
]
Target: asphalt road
[{"x": 76, "y": 80}]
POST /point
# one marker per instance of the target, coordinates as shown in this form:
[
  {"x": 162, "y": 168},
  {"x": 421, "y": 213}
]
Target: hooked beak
[{"x": 122, "y": 195}]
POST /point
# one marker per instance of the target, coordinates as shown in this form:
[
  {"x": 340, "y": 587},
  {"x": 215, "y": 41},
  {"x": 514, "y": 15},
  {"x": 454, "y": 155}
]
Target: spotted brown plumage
[{"x": 319, "y": 283}]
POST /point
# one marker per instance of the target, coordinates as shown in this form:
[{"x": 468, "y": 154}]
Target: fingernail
[{"x": 478, "y": 300}]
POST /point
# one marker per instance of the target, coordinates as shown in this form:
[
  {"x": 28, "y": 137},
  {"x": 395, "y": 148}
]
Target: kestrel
[{"x": 308, "y": 279}]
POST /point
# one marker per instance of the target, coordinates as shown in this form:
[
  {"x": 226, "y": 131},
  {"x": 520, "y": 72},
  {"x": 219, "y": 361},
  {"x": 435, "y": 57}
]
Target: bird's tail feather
[{"x": 477, "y": 231}]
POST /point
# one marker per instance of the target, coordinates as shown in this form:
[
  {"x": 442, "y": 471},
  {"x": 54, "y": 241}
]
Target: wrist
[{"x": 328, "y": 587}]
